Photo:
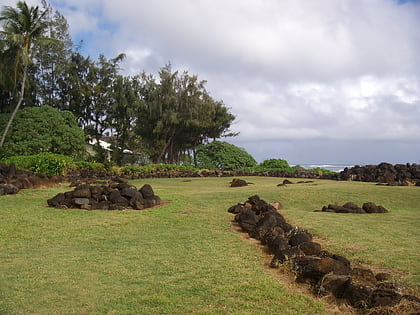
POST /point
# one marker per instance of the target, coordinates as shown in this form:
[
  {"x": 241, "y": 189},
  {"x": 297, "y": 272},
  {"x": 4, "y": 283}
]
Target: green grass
[{"x": 184, "y": 257}]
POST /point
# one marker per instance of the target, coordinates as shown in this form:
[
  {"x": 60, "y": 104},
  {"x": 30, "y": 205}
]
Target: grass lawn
[{"x": 185, "y": 257}]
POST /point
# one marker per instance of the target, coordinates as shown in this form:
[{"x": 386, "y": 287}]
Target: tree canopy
[
  {"x": 177, "y": 114},
  {"x": 22, "y": 27},
  {"x": 165, "y": 118}
]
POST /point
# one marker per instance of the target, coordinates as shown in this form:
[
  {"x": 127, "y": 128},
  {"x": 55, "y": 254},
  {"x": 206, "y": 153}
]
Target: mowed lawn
[{"x": 185, "y": 257}]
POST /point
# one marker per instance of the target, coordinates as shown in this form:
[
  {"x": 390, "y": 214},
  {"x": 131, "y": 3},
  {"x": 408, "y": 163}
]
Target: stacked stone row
[{"x": 327, "y": 273}]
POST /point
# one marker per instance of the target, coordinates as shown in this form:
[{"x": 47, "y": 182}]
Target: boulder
[
  {"x": 82, "y": 191},
  {"x": 359, "y": 295},
  {"x": 247, "y": 219},
  {"x": 371, "y": 207},
  {"x": 272, "y": 234},
  {"x": 313, "y": 268},
  {"x": 277, "y": 244},
  {"x": 288, "y": 254},
  {"x": 236, "y": 208},
  {"x": 266, "y": 223},
  {"x": 237, "y": 182},
  {"x": 147, "y": 191},
  {"x": 131, "y": 193},
  {"x": 385, "y": 297},
  {"x": 333, "y": 284},
  {"x": 8, "y": 189},
  {"x": 56, "y": 200},
  {"x": 81, "y": 201},
  {"x": 299, "y": 238},
  {"x": 310, "y": 248}
]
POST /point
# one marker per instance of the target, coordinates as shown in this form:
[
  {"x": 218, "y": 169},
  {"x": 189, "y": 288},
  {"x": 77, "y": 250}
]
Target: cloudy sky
[{"x": 319, "y": 81}]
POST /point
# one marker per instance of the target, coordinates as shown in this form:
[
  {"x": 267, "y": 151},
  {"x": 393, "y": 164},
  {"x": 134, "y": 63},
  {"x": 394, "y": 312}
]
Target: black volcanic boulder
[
  {"x": 334, "y": 284},
  {"x": 354, "y": 208},
  {"x": 371, "y": 207},
  {"x": 8, "y": 189},
  {"x": 385, "y": 297},
  {"x": 147, "y": 191},
  {"x": 313, "y": 268},
  {"x": 260, "y": 206},
  {"x": 310, "y": 248},
  {"x": 277, "y": 244},
  {"x": 267, "y": 223},
  {"x": 287, "y": 254},
  {"x": 247, "y": 219},
  {"x": 236, "y": 208},
  {"x": 298, "y": 236},
  {"x": 237, "y": 182},
  {"x": 82, "y": 191}
]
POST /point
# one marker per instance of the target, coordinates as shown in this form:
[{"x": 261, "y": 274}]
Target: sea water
[{"x": 332, "y": 167}]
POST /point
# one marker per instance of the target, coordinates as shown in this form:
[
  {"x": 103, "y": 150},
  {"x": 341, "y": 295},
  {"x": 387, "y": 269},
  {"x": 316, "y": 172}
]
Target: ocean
[{"x": 332, "y": 167}]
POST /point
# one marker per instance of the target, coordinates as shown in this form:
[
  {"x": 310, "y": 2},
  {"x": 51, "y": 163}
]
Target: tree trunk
[
  {"x": 165, "y": 148},
  {"x": 12, "y": 117}
]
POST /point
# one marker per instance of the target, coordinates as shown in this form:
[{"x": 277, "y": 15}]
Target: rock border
[
  {"x": 325, "y": 272},
  {"x": 351, "y": 207}
]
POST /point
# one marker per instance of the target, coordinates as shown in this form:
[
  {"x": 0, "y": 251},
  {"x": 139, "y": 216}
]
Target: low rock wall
[
  {"x": 325, "y": 272},
  {"x": 13, "y": 180}
]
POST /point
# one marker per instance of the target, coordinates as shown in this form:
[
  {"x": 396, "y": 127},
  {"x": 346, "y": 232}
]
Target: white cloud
[{"x": 290, "y": 70}]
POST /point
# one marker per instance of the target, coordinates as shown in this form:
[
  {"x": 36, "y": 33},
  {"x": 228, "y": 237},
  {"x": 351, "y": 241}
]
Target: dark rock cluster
[
  {"x": 351, "y": 207},
  {"x": 13, "y": 180},
  {"x": 237, "y": 182},
  {"x": 392, "y": 175},
  {"x": 327, "y": 273},
  {"x": 118, "y": 195}
]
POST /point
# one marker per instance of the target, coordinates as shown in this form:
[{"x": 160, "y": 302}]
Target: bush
[
  {"x": 91, "y": 166},
  {"x": 45, "y": 163},
  {"x": 321, "y": 171},
  {"x": 223, "y": 156},
  {"x": 43, "y": 129},
  {"x": 155, "y": 168},
  {"x": 275, "y": 164}
]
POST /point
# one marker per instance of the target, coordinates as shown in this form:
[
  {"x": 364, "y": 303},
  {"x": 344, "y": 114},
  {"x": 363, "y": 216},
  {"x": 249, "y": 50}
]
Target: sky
[{"x": 312, "y": 82}]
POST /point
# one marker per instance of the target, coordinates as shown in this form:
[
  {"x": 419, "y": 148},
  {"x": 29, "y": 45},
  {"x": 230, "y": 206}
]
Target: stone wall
[
  {"x": 327, "y": 273},
  {"x": 13, "y": 180}
]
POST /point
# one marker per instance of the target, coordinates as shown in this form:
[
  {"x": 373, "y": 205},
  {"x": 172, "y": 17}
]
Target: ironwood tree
[{"x": 177, "y": 114}]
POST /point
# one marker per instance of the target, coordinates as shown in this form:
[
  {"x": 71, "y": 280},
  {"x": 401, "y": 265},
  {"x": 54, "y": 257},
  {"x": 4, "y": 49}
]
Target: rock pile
[
  {"x": 237, "y": 182},
  {"x": 351, "y": 207},
  {"x": 13, "y": 180},
  {"x": 327, "y": 273},
  {"x": 392, "y": 175},
  {"x": 118, "y": 195}
]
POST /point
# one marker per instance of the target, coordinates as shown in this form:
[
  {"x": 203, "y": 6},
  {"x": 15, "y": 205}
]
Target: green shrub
[
  {"x": 43, "y": 129},
  {"x": 321, "y": 171},
  {"x": 275, "y": 164},
  {"x": 155, "y": 168},
  {"x": 223, "y": 156},
  {"x": 45, "y": 163},
  {"x": 92, "y": 166}
]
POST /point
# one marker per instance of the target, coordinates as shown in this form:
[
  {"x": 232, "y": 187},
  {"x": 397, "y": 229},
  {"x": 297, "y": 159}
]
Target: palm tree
[{"x": 22, "y": 27}]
